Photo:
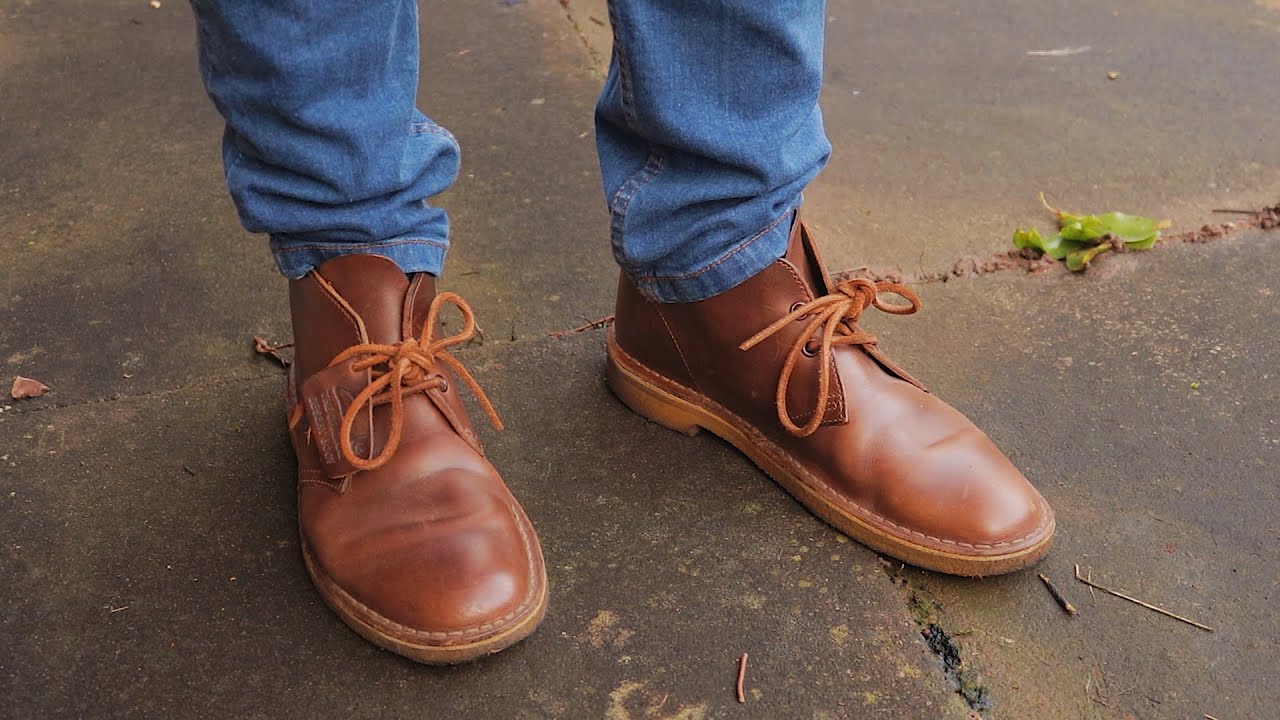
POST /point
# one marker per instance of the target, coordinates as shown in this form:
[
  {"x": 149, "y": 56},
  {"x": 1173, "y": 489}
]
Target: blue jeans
[{"x": 708, "y": 129}]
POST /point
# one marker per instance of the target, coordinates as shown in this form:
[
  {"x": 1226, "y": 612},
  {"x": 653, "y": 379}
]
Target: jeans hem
[
  {"x": 411, "y": 254},
  {"x": 732, "y": 268}
]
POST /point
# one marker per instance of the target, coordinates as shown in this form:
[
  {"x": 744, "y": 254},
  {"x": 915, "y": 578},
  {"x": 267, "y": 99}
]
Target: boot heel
[{"x": 650, "y": 402}]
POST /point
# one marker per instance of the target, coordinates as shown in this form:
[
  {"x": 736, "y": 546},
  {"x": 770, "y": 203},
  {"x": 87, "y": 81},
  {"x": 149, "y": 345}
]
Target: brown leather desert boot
[
  {"x": 407, "y": 531},
  {"x": 778, "y": 367}
]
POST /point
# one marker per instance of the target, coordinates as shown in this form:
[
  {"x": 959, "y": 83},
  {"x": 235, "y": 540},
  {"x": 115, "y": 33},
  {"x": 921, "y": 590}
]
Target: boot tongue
[
  {"x": 802, "y": 254},
  {"x": 374, "y": 287},
  {"x": 422, "y": 290},
  {"x": 331, "y": 305}
]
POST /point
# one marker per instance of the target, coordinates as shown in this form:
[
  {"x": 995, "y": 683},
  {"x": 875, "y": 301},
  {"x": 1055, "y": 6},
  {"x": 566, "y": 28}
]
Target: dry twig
[
  {"x": 742, "y": 675},
  {"x": 605, "y": 321},
  {"x": 1136, "y": 601},
  {"x": 1057, "y": 595}
]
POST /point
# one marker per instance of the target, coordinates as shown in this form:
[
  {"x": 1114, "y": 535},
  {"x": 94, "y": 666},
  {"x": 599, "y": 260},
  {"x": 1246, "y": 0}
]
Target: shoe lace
[
  {"x": 405, "y": 368},
  {"x": 836, "y": 314}
]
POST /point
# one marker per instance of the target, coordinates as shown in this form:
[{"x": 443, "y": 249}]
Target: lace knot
[
  {"x": 404, "y": 368},
  {"x": 836, "y": 314}
]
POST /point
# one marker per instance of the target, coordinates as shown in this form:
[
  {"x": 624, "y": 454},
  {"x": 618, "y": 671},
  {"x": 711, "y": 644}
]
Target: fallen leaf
[
  {"x": 24, "y": 387},
  {"x": 1081, "y": 238},
  {"x": 1080, "y": 259},
  {"x": 1057, "y": 246}
]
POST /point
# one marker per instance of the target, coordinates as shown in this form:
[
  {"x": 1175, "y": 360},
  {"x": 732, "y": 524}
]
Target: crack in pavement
[
  {"x": 597, "y": 63},
  {"x": 1032, "y": 262},
  {"x": 1029, "y": 261},
  {"x": 925, "y": 612},
  {"x": 969, "y": 267}
]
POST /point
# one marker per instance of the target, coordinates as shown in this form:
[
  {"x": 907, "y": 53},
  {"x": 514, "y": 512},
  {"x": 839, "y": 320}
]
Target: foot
[
  {"x": 408, "y": 532},
  {"x": 778, "y": 367}
]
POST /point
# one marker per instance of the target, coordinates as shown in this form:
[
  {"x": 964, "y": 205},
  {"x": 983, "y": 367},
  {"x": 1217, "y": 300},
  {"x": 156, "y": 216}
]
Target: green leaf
[
  {"x": 1081, "y": 228},
  {"x": 1081, "y": 238},
  {"x": 1056, "y": 247},
  {"x": 1138, "y": 232},
  {"x": 1029, "y": 239},
  {"x": 1080, "y": 259}
]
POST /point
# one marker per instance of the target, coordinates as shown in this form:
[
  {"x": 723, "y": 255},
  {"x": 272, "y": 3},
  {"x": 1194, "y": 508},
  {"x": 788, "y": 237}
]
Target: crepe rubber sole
[
  {"x": 678, "y": 408},
  {"x": 430, "y": 654}
]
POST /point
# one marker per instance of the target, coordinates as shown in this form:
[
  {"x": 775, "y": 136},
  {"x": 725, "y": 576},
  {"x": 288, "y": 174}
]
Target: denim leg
[
  {"x": 324, "y": 149},
  {"x": 708, "y": 129}
]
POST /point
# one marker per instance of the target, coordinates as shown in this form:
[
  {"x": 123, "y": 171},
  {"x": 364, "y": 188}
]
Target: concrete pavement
[{"x": 148, "y": 546}]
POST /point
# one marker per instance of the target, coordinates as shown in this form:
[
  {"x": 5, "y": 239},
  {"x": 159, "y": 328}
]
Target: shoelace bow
[
  {"x": 408, "y": 367},
  {"x": 835, "y": 314}
]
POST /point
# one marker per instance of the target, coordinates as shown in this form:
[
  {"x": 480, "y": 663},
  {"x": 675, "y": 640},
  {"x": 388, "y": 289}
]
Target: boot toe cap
[
  {"x": 447, "y": 560},
  {"x": 964, "y": 496}
]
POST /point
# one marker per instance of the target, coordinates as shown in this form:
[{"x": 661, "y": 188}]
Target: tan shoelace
[
  {"x": 836, "y": 314},
  {"x": 408, "y": 367}
]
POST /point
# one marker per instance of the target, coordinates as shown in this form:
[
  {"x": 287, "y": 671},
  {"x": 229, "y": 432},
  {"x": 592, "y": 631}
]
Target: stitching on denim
[
  {"x": 622, "y": 198},
  {"x": 352, "y": 246},
  {"x": 624, "y": 72},
  {"x": 718, "y": 261},
  {"x": 421, "y": 128}
]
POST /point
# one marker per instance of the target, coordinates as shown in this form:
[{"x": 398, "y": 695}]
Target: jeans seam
[
  {"x": 652, "y": 279},
  {"x": 622, "y": 198},
  {"x": 237, "y": 157},
  {"x": 624, "y": 73},
  {"x": 430, "y": 128},
  {"x": 351, "y": 246}
]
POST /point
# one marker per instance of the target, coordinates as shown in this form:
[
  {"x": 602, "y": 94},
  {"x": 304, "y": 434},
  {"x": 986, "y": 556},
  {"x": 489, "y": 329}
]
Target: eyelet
[
  {"x": 444, "y": 384},
  {"x": 795, "y": 306},
  {"x": 808, "y": 349}
]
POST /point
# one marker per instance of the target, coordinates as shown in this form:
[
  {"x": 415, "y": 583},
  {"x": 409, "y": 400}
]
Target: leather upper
[
  {"x": 430, "y": 546},
  {"x": 886, "y": 450}
]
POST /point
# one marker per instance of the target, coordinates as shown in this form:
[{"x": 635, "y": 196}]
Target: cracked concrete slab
[
  {"x": 151, "y": 575},
  {"x": 1142, "y": 401},
  {"x": 945, "y": 129},
  {"x": 129, "y": 270},
  {"x": 130, "y": 278}
]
